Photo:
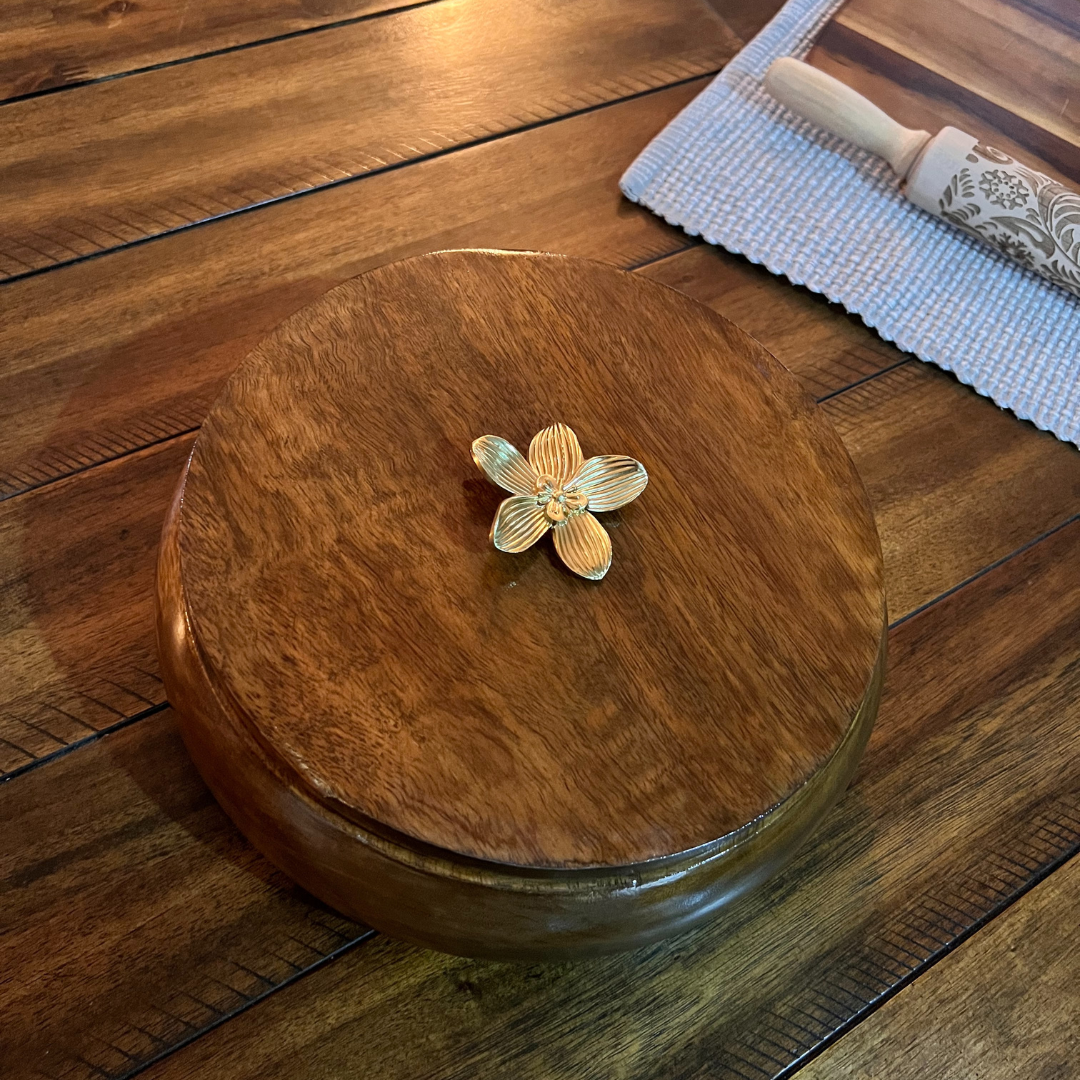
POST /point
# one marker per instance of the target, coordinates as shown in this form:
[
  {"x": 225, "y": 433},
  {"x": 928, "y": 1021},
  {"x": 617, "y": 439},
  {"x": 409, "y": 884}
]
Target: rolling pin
[{"x": 1025, "y": 215}]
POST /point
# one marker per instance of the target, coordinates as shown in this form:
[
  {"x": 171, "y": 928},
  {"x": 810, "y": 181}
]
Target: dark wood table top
[{"x": 180, "y": 180}]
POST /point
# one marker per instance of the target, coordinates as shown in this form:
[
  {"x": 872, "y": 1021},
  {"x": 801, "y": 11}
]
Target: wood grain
[
  {"x": 945, "y": 507},
  {"x": 133, "y": 911},
  {"x": 84, "y": 382},
  {"x": 340, "y": 450},
  {"x": 76, "y": 604},
  {"x": 154, "y": 967},
  {"x": 746, "y": 17},
  {"x": 967, "y": 41},
  {"x": 968, "y": 783},
  {"x": 932, "y": 64},
  {"x": 826, "y": 347},
  {"x": 76, "y": 41},
  {"x": 1002, "y": 1005},
  {"x": 120, "y": 161}
]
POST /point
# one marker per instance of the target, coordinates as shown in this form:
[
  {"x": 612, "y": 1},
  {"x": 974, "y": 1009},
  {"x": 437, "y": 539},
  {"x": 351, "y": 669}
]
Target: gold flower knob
[{"x": 554, "y": 488}]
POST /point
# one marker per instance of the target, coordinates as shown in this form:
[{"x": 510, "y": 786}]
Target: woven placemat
[{"x": 741, "y": 171}]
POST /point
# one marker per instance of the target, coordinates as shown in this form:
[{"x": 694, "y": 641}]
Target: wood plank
[
  {"x": 70, "y": 43},
  {"x": 826, "y": 347},
  {"x": 77, "y": 603},
  {"x": 73, "y": 43},
  {"x": 966, "y": 41},
  {"x": 945, "y": 507},
  {"x": 154, "y": 907},
  {"x": 1003, "y": 1005},
  {"x": 115, "y": 975},
  {"x": 917, "y": 66},
  {"x": 119, "y": 161},
  {"x": 113, "y": 354},
  {"x": 181, "y": 921}
]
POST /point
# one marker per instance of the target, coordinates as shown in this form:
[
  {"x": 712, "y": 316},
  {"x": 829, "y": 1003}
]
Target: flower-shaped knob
[{"x": 555, "y": 488}]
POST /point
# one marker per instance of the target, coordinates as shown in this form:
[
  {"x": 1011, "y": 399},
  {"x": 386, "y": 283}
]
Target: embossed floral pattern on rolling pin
[
  {"x": 1025, "y": 215},
  {"x": 1029, "y": 217}
]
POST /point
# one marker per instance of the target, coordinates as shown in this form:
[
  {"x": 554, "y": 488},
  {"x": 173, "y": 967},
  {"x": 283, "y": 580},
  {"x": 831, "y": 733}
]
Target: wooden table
[{"x": 179, "y": 179}]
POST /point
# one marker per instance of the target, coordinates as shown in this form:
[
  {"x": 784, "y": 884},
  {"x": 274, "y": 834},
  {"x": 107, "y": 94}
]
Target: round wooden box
[{"x": 485, "y": 752}]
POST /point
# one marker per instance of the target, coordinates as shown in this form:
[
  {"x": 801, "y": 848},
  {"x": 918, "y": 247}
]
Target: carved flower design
[
  {"x": 1003, "y": 189},
  {"x": 555, "y": 488},
  {"x": 1014, "y": 249}
]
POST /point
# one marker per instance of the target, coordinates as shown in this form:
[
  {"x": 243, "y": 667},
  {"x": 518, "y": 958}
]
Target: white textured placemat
[{"x": 739, "y": 170}]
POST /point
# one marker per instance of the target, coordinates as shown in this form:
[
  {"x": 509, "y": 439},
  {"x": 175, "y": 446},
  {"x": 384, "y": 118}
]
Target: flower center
[{"x": 559, "y": 503}]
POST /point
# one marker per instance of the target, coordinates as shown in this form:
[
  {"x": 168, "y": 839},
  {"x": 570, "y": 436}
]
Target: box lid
[{"x": 345, "y": 596}]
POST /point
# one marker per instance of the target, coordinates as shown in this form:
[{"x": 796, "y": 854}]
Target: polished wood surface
[
  {"x": 123, "y": 160},
  {"x": 1003, "y": 1005},
  {"x": 136, "y": 920},
  {"x": 71, "y": 42},
  {"x": 1003, "y": 71},
  {"x": 171, "y": 321},
  {"x": 445, "y": 718}
]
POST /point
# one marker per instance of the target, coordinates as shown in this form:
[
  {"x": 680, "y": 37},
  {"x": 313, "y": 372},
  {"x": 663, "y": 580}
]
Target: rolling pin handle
[{"x": 837, "y": 108}]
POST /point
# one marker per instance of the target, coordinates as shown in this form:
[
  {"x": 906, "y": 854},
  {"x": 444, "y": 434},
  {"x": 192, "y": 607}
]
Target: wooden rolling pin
[{"x": 1020, "y": 212}]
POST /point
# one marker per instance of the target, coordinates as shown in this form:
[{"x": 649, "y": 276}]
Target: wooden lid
[{"x": 344, "y": 594}]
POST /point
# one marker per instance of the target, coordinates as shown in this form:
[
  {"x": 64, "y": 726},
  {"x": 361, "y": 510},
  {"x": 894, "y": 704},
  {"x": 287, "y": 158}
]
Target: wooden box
[{"x": 482, "y": 751}]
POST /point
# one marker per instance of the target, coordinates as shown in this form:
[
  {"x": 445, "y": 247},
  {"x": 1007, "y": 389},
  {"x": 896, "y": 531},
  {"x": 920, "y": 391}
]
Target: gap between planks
[
  {"x": 484, "y": 140},
  {"x": 224, "y": 50}
]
